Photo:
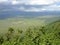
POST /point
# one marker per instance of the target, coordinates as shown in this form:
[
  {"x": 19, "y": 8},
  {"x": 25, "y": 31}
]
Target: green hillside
[
  {"x": 42, "y": 35},
  {"x": 53, "y": 32},
  {"x": 25, "y": 22}
]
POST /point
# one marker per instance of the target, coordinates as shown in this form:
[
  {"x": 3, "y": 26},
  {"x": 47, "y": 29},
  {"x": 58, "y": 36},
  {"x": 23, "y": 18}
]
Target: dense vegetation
[{"x": 45, "y": 35}]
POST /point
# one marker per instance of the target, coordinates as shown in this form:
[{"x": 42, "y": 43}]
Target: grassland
[
  {"x": 25, "y": 22},
  {"x": 19, "y": 24}
]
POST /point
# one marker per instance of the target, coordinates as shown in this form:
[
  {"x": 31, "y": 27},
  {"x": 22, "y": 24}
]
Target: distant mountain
[{"x": 15, "y": 13}]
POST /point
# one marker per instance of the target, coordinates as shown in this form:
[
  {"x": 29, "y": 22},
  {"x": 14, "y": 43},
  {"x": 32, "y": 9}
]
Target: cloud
[
  {"x": 34, "y": 2},
  {"x": 3, "y": 1},
  {"x": 31, "y": 9},
  {"x": 53, "y": 7},
  {"x": 30, "y": 2},
  {"x": 31, "y": 5},
  {"x": 40, "y": 2}
]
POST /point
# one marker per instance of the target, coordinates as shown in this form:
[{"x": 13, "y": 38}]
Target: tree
[{"x": 11, "y": 30}]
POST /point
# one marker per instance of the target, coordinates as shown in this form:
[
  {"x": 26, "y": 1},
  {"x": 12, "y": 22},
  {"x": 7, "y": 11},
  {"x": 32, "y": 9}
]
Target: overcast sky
[{"x": 32, "y": 5}]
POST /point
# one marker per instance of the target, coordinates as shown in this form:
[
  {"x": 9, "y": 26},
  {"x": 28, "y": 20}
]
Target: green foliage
[
  {"x": 45, "y": 35},
  {"x": 11, "y": 30}
]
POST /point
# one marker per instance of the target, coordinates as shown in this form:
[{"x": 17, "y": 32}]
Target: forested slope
[{"x": 45, "y": 35}]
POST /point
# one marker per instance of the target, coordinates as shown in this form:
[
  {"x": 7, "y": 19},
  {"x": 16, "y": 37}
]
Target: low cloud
[{"x": 31, "y": 9}]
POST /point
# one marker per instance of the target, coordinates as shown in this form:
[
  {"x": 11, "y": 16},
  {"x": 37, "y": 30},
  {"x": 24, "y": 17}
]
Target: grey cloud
[{"x": 7, "y": 6}]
